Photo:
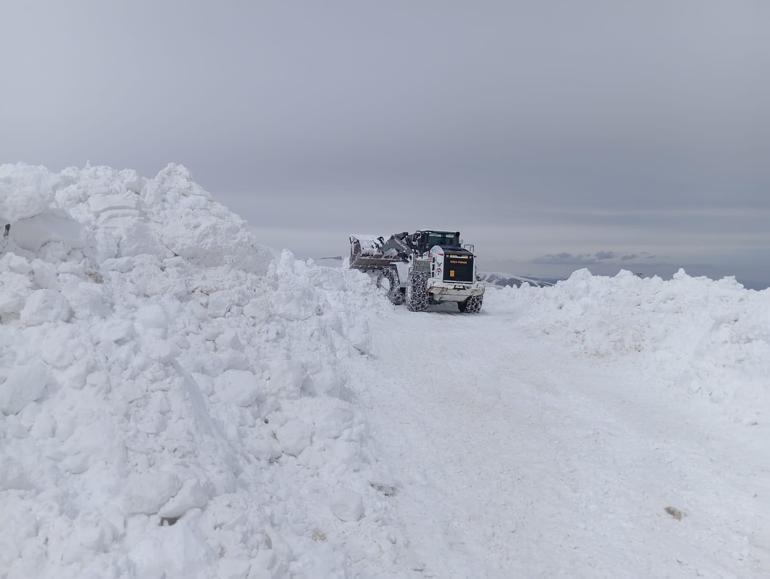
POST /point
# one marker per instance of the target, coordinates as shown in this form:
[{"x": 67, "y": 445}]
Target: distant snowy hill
[{"x": 510, "y": 280}]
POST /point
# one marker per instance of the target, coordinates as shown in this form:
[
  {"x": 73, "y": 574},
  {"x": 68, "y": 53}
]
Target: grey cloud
[
  {"x": 638, "y": 256},
  {"x": 582, "y": 259},
  {"x": 566, "y": 258}
]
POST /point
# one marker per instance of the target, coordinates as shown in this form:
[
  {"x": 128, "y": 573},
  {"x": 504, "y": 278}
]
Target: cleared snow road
[{"x": 516, "y": 458}]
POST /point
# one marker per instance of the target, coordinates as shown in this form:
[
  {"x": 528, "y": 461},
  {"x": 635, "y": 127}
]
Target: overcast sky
[{"x": 554, "y": 134}]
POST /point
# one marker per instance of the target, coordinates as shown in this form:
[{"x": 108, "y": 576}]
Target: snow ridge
[
  {"x": 175, "y": 399},
  {"x": 705, "y": 339}
]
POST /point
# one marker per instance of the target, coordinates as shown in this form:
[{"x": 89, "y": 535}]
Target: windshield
[{"x": 443, "y": 238}]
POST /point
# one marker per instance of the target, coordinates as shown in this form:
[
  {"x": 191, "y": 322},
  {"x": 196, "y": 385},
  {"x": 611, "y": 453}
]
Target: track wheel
[
  {"x": 472, "y": 305},
  {"x": 417, "y": 292}
]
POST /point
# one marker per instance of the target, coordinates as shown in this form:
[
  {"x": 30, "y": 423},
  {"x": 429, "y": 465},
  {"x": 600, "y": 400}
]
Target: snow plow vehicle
[{"x": 422, "y": 268}]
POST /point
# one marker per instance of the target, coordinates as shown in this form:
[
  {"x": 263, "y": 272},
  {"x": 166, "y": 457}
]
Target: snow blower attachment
[{"x": 422, "y": 268}]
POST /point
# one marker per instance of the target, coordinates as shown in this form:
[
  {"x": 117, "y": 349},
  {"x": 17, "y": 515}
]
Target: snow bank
[
  {"x": 704, "y": 338},
  {"x": 174, "y": 402},
  {"x": 24, "y": 191}
]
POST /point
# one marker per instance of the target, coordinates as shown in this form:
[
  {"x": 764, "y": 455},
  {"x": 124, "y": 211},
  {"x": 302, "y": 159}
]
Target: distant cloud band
[{"x": 565, "y": 258}]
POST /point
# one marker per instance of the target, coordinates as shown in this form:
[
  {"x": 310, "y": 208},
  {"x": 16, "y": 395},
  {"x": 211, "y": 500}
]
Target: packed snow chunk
[
  {"x": 228, "y": 340},
  {"x": 45, "y": 306},
  {"x": 139, "y": 239},
  {"x": 116, "y": 330},
  {"x": 146, "y": 492},
  {"x": 132, "y": 181},
  {"x": 14, "y": 288},
  {"x": 228, "y": 568},
  {"x": 25, "y": 191},
  {"x": 34, "y": 232},
  {"x": 14, "y": 274},
  {"x": 198, "y": 228},
  {"x": 44, "y": 425},
  {"x": 370, "y": 244},
  {"x": 220, "y": 303},
  {"x": 60, "y": 346},
  {"x": 112, "y": 202},
  {"x": 15, "y": 263},
  {"x": 87, "y": 299},
  {"x": 240, "y": 387},
  {"x": 172, "y": 184},
  {"x": 295, "y": 300},
  {"x": 10, "y": 304},
  {"x": 14, "y": 477},
  {"x": 44, "y": 274},
  {"x": 347, "y": 505},
  {"x": 151, "y": 319},
  {"x": 159, "y": 349},
  {"x": 335, "y": 422},
  {"x": 294, "y": 436},
  {"x": 192, "y": 495},
  {"x": 179, "y": 551},
  {"x": 22, "y": 385}
]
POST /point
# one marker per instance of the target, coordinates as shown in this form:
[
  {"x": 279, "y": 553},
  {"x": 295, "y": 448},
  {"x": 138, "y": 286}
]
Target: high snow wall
[
  {"x": 174, "y": 399},
  {"x": 703, "y": 339}
]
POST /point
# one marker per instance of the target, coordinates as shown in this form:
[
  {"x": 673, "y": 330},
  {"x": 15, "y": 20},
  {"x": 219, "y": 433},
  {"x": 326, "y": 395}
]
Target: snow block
[
  {"x": 240, "y": 387},
  {"x": 25, "y": 191},
  {"x": 23, "y": 385},
  {"x": 45, "y": 306},
  {"x": 50, "y": 226},
  {"x": 148, "y": 491},
  {"x": 294, "y": 436},
  {"x": 14, "y": 477},
  {"x": 192, "y": 495},
  {"x": 11, "y": 303},
  {"x": 347, "y": 505},
  {"x": 335, "y": 423},
  {"x": 152, "y": 318}
]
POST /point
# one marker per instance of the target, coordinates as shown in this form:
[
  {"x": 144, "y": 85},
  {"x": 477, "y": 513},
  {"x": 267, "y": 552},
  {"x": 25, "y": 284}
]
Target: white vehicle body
[
  {"x": 413, "y": 269},
  {"x": 446, "y": 290}
]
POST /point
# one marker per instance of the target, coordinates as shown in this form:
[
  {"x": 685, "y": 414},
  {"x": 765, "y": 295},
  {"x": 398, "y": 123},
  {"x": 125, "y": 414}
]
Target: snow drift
[
  {"x": 703, "y": 339},
  {"x": 174, "y": 401}
]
